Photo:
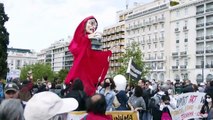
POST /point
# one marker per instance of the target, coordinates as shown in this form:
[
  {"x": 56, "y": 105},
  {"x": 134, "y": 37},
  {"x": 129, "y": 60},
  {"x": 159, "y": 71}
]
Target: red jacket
[
  {"x": 92, "y": 116},
  {"x": 89, "y": 65}
]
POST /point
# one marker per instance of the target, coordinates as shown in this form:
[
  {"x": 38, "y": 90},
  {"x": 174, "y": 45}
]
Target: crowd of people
[{"x": 45, "y": 101}]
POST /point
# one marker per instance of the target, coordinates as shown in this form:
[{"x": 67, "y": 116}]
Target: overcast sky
[{"x": 35, "y": 24}]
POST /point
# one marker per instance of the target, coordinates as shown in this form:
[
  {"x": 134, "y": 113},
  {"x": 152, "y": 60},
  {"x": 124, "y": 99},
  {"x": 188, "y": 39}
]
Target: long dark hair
[
  {"x": 138, "y": 91},
  {"x": 77, "y": 85}
]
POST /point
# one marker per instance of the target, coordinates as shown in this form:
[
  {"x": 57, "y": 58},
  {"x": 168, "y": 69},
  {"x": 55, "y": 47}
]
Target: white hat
[{"x": 45, "y": 105}]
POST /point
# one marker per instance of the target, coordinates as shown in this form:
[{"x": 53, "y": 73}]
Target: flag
[{"x": 133, "y": 70}]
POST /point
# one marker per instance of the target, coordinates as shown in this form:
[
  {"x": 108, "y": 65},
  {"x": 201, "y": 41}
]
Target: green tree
[
  {"x": 38, "y": 71},
  {"x": 132, "y": 51},
  {"x": 62, "y": 74},
  {"x": 4, "y": 41}
]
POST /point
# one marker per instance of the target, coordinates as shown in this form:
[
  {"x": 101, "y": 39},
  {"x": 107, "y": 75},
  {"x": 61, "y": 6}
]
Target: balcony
[
  {"x": 199, "y": 12},
  {"x": 174, "y": 67},
  {"x": 208, "y": 23},
  {"x": 209, "y": 66},
  {"x": 177, "y": 30},
  {"x": 185, "y": 28},
  {"x": 161, "y": 39},
  {"x": 183, "y": 53},
  {"x": 209, "y": 9},
  {"x": 199, "y": 52},
  {"x": 149, "y": 41},
  {"x": 200, "y": 25},
  {"x": 183, "y": 67},
  {"x": 198, "y": 66},
  {"x": 209, "y": 37},
  {"x": 155, "y": 40},
  {"x": 161, "y": 19},
  {"x": 199, "y": 38},
  {"x": 209, "y": 51},
  {"x": 175, "y": 54}
]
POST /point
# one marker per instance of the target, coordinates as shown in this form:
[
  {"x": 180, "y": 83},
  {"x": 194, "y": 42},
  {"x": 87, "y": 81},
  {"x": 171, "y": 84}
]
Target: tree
[
  {"x": 38, "y": 70},
  {"x": 62, "y": 74},
  {"x": 4, "y": 41},
  {"x": 132, "y": 51}
]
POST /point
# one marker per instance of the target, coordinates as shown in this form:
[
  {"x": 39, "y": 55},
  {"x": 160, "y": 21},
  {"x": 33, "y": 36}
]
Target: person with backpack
[{"x": 164, "y": 108}]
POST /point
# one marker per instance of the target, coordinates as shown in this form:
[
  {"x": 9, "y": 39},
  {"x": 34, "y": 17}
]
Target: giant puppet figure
[{"x": 89, "y": 65}]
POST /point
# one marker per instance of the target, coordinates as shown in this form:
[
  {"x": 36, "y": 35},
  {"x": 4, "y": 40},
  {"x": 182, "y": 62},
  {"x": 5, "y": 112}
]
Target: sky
[{"x": 36, "y": 24}]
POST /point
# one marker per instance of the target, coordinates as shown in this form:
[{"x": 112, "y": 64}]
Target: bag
[
  {"x": 166, "y": 114},
  {"x": 154, "y": 101}
]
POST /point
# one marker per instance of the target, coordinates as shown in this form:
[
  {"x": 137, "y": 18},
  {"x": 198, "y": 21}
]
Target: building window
[
  {"x": 177, "y": 41},
  {"x": 177, "y": 24},
  {"x": 186, "y": 22},
  {"x": 156, "y": 27},
  {"x": 162, "y": 25},
  {"x": 149, "y": 28},
  {"x": 155, "y": 45},
  {"x": 149, "y": 46},
  {"x": 162, "y": 44},
  {"x": 177, "y": 48},
  {"x": 177, "y": 62}
]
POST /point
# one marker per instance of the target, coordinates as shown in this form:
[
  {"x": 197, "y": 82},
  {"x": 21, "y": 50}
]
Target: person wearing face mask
[
  {"x": 207, "y": 106},
  {"x": 108, "y": 92},
  {"x": 89, "y": 65}
]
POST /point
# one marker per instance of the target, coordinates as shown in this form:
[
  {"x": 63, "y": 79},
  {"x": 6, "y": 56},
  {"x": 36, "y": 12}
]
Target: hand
[{"x": 95, "y": 35}]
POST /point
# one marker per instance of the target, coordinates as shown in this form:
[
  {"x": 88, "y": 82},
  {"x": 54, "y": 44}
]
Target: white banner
[
  {"x": 188, "y": 106},
  {"x": 116, "y": 115}
]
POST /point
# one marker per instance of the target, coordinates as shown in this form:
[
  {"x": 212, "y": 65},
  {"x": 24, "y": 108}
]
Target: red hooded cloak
[{"x": 89, "y": 65}]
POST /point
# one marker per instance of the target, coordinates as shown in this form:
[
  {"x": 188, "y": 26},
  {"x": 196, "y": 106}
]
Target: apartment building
[
  {"x": 18, "y": 58},
  {"x": 58, "y": 55},
  {"x": 114, "y": 39},
  {"x": 148, "y": 24}
]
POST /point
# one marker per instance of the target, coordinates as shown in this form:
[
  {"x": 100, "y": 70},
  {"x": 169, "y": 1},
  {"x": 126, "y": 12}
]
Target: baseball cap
[
  {"x": 45, "y": 105},
  {"x": 11, "y": 87}
]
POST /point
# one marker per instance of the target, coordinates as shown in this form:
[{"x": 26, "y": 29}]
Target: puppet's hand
[{"x": 96, "y": 35}]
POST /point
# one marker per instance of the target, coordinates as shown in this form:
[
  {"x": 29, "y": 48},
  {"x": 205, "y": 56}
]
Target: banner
[
  {"x": 116, "y": 115},
  {"x": 133, "y": 70},
  {"x": 13, "y": 74},
  {"x": 188, "y": 106}
]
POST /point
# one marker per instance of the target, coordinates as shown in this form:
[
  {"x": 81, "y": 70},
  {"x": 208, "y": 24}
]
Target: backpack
[
  {"x": 154, "y": 102},
  {"x": 166, "y": 114}
]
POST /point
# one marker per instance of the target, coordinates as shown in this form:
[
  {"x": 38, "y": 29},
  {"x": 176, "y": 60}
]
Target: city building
[
  {"x": 18, "y": 58},
  {"x": 59, "y": 56},
  {"x": 175, "y": 38},
  {"x": 148, "y": 25}
]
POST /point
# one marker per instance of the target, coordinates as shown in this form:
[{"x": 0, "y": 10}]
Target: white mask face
[
  {"x": 91, "y": 26},
  {"x": 209, "y": 100}
]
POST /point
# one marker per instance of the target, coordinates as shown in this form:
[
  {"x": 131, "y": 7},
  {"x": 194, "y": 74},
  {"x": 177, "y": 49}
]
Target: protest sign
[
  {"x": 188, "y": 106},
  {"x": 116, "y": 115}
]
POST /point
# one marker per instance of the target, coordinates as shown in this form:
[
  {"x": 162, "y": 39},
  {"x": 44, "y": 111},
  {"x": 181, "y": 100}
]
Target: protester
[
  {"x": 121, "y": 98},
  {"x": 164, "y": 108},
  {"x": 11, "y": 109},
  {"x": 49, "y": 106},
  {"x": 11, "y": 90},
  {"x": 96, "y": 108},
  {"x": 89, "y": 65},
  {"x": 209, "y": 89},
  {"x": 77, "y": 92},
  {"x": 26, "y": 88},
  {"x": 2, "y": 85},
  {"x": 136, "y": 102},
  {"x": 108, "y": 92},
  {"x": 208, "y": 104}
]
